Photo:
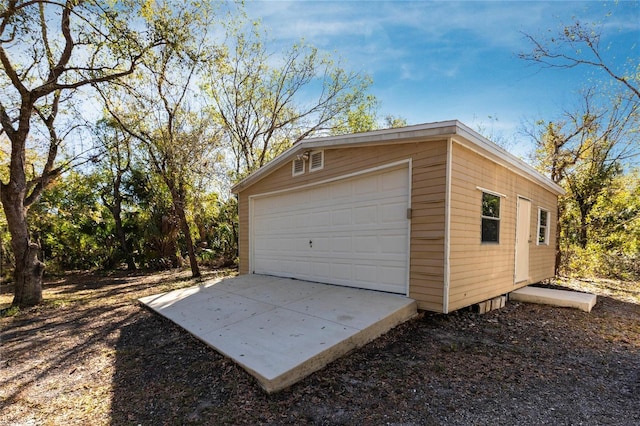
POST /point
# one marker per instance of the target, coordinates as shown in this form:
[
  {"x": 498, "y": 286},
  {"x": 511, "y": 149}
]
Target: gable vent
[
  {"x": 298, "y": 166},
  {"x": 316, "y": 161}
]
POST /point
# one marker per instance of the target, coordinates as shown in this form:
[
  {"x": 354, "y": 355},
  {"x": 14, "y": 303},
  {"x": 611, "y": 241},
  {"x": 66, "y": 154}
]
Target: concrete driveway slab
[
  {"x": 280, "y": 329},
  {"x": 349, "y": 306},
  {"x": 271, "y": 343},
  {"x": 213, "y": 310},
  {"x": 280, "y": 291}
]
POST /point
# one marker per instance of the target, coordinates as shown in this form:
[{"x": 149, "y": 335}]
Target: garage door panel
[
  {"x": 341, "y": 217},
  {"x": 358, "y": 229},
  {"x": 337, "y": 191},
  {"x": 393, "y": 212},
  {"x": 368, "y": 244},
  {"x": 341, "y": 244},
  {"x": 340, "y": 272},
  {"x": 392, "y": 181},
  {"x": 366, "y": 273},
  {"x": 365, "y": 214},
  {"x": 390, "y": 274},
  {"x": 319, "y": 193},
  {"x": 319, "y": 218},
  {"x": 365, "y": 185},
  {"x": 391, "y": 244}
]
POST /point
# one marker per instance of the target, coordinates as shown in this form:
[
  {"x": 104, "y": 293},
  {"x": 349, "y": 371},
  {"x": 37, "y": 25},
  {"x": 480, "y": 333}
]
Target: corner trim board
[{"x": 447, "y": 228}]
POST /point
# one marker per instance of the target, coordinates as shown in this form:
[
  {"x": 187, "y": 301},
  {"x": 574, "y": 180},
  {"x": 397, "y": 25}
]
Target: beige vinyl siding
[
  {"x": 542, "y": 257},
  {"x": 477, "y": 271},
  {"x": 426, "y": 275},
  {"x": 243, "y": 233},
  {"x": 481, "y": 271}
]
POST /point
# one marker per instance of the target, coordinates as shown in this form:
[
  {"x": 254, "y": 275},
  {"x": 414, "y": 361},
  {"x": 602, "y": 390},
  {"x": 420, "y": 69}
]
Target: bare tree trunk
[
  {"x": 28, "y": 269},
  {"x": 116, "y": 211},
  {"x": 193, "y": 261},
  {"x": 117, "y": 217},
  {"x": 178, "y": 203},
  {"x": 558, "y": 262}
]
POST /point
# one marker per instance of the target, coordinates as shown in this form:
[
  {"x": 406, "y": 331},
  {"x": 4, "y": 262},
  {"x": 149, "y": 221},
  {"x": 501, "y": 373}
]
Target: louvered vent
[
  {"x": 298, "y": 166},
  {"x": 316, "y": 160}
]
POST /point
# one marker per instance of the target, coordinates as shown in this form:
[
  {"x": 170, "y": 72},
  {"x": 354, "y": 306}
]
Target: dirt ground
[{"x": 91, "y": 354}]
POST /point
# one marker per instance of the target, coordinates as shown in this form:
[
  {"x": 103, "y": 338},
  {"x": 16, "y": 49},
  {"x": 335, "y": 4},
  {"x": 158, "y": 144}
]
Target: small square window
[
  {"x": 316, "y": 161},
  {"x": 298, "y": 166},
  {"x": 490, "y": 218},
  {"x": 543, "y": 227}
]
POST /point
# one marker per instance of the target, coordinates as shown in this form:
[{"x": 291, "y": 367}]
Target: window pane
[
  {"x": 490, "y": 205},
  {"x": 542, "y": 235},
  {"x": 543, "y": 218},
  {"x": 490, "y": 230}
]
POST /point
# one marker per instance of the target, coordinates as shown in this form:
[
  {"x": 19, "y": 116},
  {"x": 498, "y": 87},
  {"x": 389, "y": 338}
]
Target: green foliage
[
  {"x": 265, "y": 102},
  {"x": 150, "y": 222},
  {"x": 392, "y": 122},
  {"x": 225, "y": 235},
  {"x": 72, "y": 226},
  {"x": 163, "y": 156},
  {"x": 613, "y": 249},
  {"x": 11, "y": 311},
  {"x": 361, "y": 117}
]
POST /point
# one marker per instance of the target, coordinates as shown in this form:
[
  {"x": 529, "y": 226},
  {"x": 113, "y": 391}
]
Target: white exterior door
[
  {"x": 523, "y": 226},
  {"x": 352, "y": 232}
]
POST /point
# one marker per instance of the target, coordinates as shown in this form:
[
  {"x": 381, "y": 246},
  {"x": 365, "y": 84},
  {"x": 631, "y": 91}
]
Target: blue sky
[{"x": 433, "y": 61}]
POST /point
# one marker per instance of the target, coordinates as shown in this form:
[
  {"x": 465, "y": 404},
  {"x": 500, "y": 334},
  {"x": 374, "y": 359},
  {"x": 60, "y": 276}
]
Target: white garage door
[{"x": 351, "y": 232}]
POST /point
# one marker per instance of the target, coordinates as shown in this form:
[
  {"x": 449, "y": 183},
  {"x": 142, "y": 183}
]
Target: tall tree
[
  {"x": 48, "y": 50},
  {"x": 158, "y": 106},
  {"x": 115, "y": 145},
  {"x": 586, "y": 148},
  {"x": 615, "y": 228},
  {"x": 265, "y": 102},
  {"x": 584, "y": 151},
  {"x": 393, "y": 122},
  {"x": 579, "y": 44}
]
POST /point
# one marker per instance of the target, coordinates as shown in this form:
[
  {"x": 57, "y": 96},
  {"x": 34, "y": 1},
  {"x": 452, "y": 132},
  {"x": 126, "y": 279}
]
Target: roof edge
[
  {"x": 511, "y": 159},
  {"x": 443, "y": 129}
]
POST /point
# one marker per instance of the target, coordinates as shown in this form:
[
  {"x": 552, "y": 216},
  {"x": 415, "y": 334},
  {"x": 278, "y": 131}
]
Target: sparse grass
[
  {"x": 9, "y": 311},
  {"x": 625, "y": 291}
]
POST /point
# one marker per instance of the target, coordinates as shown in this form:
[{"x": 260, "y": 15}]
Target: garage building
[{"x": 434, "y": 211}]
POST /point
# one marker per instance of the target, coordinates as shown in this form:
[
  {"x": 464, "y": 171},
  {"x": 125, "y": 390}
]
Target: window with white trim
[
  {"x": 316, "y": 161},
  {"x": 490, "y": 218},
  {"x": 543, "y": 227},
  {"x": 297, "y": 167}
]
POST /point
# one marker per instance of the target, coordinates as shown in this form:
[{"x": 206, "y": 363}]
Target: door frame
[{"x": 522, "y": 258}]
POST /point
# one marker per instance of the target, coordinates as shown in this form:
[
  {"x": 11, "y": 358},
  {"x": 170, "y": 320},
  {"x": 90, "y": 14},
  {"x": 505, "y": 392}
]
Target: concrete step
[{"x": 547, "y": 296}]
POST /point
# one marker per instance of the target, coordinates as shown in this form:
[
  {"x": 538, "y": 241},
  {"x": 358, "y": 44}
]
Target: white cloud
[
  {"x": 376, "y": 35},
  {"x": 425, "y": 55}
]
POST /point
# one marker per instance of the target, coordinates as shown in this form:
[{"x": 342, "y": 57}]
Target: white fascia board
[{"x": 506, "y": 159}]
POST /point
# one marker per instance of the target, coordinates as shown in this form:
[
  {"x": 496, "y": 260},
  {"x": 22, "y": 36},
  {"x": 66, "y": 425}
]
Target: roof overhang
[{"x": 454, "y": 129}]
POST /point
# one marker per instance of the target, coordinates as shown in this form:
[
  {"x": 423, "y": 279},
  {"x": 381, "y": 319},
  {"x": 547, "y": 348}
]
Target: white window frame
[
  {"x": 315, "y": 169},
  {"x": 546, "y": 230},
  {"x": 293, "y": 167}
]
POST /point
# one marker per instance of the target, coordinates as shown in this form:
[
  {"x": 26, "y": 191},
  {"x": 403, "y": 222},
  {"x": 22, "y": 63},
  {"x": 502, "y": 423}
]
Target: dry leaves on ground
[{"x": 92, "y": 355}]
